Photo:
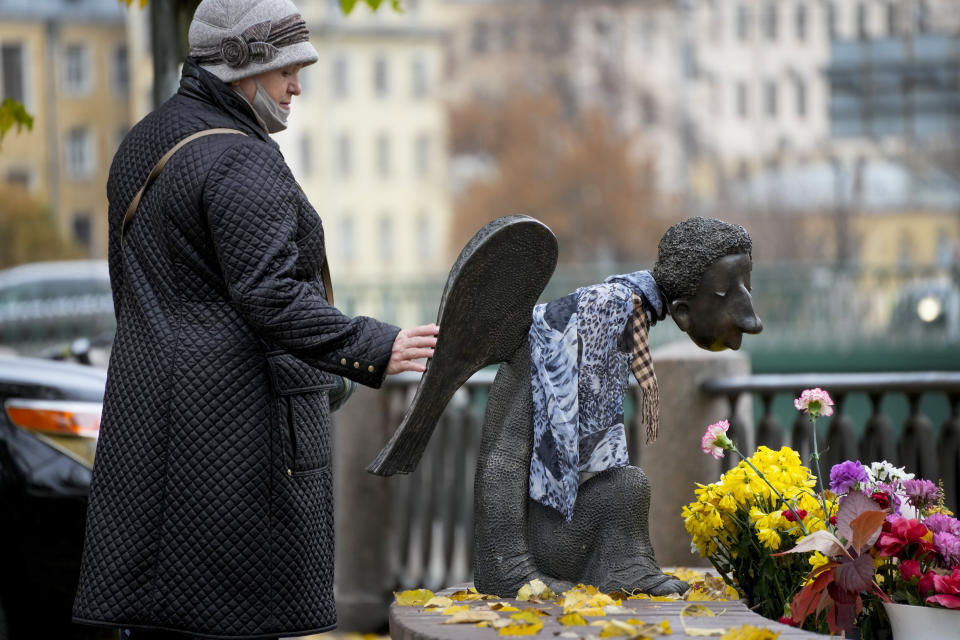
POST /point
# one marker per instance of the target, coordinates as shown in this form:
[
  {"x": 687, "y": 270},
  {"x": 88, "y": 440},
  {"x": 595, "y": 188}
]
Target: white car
[{"x": 46, "y": 303}]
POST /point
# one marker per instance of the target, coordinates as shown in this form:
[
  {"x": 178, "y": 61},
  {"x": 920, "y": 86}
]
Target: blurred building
[
  {"x": 367, "y": 141},
  {"x": 67, "y": 61}
]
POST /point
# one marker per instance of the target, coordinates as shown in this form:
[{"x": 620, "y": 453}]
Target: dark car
[{"x": 48, "y": 434}]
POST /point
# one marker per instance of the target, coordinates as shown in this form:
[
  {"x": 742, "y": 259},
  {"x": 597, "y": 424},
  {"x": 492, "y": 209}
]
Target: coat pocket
[{"x": 304, "y": 410}]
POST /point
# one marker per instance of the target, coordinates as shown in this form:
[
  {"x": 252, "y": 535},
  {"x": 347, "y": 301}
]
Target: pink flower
[
  {"x": 910, "y": 569},
  {"x": 816, "y": 402},
  {"x": 715, "y": 440},
  {"x": 948, "y": 590},
  {"x": 900, "y": 533},
  {"x": 925, "y": 586}
]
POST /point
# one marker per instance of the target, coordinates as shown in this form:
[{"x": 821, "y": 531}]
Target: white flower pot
[{"x": 910, "y": 622}]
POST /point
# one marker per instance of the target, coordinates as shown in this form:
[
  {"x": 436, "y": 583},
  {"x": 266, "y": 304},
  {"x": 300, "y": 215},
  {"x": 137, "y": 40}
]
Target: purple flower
[
  {"x": 844, "y": 477},
  {"x": 921, "y": 493},
  {"x": 948, "y": 546},
  {"x": 939, "y": 523}
]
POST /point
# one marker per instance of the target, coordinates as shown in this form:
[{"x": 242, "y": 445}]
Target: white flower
[{"x": 885, "y": 472}]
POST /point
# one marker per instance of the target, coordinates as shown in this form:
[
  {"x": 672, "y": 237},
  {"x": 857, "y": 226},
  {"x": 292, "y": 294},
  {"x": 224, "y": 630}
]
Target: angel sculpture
[{"x": 555, "y": 412}]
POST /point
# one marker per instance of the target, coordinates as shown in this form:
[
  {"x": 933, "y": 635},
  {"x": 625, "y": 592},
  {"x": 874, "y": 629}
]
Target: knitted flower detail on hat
[{"x": 250, "y": 45}]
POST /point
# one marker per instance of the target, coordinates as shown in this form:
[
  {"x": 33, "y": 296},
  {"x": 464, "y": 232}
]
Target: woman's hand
[{"x": 412, "y": 345}]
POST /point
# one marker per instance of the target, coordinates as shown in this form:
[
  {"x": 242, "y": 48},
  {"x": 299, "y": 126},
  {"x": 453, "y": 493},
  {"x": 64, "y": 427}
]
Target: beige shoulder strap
[{"x": 161, "y": 163}]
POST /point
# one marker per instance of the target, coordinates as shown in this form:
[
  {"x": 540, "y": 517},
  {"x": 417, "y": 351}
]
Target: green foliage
[
  {"x": 347, "y": 5},
  {"x": 13, "y": 113}
]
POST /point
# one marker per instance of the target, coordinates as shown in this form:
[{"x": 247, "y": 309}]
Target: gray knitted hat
[{"x": 236, "y": 39}]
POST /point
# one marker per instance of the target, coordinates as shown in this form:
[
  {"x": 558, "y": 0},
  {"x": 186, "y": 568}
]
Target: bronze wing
[{"x": 484, "y": 315}]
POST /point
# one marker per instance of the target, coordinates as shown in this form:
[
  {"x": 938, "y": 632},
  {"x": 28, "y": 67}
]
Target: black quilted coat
[{"x": 211, "y": 509}]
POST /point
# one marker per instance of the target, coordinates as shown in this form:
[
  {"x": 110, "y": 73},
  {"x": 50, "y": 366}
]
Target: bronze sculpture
[{"x": 703, "y": 273}]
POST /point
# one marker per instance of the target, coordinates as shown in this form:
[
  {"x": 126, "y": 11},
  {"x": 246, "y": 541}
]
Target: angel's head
[{"x": 703, "y": 266}]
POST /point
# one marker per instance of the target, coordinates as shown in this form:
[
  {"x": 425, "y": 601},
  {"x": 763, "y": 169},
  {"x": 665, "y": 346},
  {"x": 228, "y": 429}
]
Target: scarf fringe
[{"x": 650, "y": 410}]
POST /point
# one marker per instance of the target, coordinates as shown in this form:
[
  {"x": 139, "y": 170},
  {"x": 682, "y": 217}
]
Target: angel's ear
[{"x": 680, "y": 311}]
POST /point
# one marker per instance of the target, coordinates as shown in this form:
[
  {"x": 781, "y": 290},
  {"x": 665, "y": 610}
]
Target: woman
[{"x": 211, "y": 509}]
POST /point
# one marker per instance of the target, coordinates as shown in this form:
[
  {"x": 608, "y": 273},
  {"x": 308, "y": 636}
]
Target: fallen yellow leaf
[
  {"x": 572, "y": 620},
  {"x": 535, "y": 589},
  {"x": 456, "y": 608},
  {"x": 413, "y": 597},
  {"x": 528, "y": 616},
  {"x": 472, "y": 615},
  {"x": 697, "y": 610},
  {"x": 521, "y": 629},
  {"x": 502, "y": 606},
  {"x": 749, "y": 632},
  {"x": 613, "y": 628},
  {"x": 438, "y": 602}
]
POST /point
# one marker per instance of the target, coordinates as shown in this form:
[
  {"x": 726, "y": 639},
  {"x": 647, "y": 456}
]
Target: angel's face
[{"x": 721, "y": 311}]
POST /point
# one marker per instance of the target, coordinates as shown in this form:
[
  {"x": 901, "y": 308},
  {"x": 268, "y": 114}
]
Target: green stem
[
  {"x": 772, "y": 488},
  {"x": 816, "y": 460}
]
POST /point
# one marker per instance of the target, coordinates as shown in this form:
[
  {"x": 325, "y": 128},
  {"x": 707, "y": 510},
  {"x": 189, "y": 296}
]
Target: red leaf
[
  {"x": 855, "y": 575},
  {"x": 852, "y": 505},
  {"x": 866, "y": 528}
]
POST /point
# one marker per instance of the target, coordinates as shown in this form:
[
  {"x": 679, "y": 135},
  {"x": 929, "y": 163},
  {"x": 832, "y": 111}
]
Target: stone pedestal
[{"x": 674, "y": 463}]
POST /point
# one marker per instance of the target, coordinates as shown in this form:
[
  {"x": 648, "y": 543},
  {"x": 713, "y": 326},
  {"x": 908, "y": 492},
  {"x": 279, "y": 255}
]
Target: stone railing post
[
  {"x": 363, "y": 513},
  {"x": 674, "y": 463}
]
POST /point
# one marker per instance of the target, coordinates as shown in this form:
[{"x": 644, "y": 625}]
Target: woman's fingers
[{"x": 411, "y": 345}]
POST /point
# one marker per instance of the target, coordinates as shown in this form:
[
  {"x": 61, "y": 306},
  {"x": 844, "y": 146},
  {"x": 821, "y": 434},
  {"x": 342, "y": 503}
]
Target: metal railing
[
  {"x": 433, "y": 546},
  {"x": 931, "y": 453}
]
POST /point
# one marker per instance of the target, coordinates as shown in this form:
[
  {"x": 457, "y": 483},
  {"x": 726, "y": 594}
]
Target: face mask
[{"x": 271, "y": 115}]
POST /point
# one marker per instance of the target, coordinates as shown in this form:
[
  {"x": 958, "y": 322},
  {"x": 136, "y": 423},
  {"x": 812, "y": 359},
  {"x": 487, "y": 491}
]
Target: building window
[
  {"x": 344, "y": 155},
  {"x": 77, "y": 71},
  {"x": 80, "y": 152},
  {"x": 771, "y": 17},
  {"x": 19, "y": 177},
  {"x": 508, "y": 35},
  {"x": 743, "y": 109},
  {"x": 11, "y": 72},
  {"x": 923, "y": 17},
  {"x": 120, "y": 70},
  {"x": 801, "y": 89},
  {"x": 893, "y": 19},
  {"x": 832, "y": 20},
  {"x": 347, "y": 240},
  {"x": 383, "y": 155},
  {"x": 422, "y": 155},
  {"x": 649, "y": 33},
  {"x": 119, "y": 134},
  {"x": 770, "y": 98},
  {"x": 648, "y": 105},
  {"x": 83, "y": 230},
  {"x": 801, "y": 22},
  {"x": 386, "y": 240},
  {"x": 418, "y": 75},
  {"x": 306, "y": 155},
  {"x": 743, "y": 22},
  {"x": 862, "y": 30},
  {"x": 480, "y": 41},
  {"x": 341, "y": 76},
  {"x": 381, "y": 81},
  {"x": 743, "y": 171},
  {"x": 424, "y": 238}
]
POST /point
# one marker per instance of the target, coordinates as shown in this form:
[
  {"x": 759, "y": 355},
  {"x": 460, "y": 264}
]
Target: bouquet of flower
[
  {"x": 763, "y": 505},
  {"x": 894, "y": 542}
]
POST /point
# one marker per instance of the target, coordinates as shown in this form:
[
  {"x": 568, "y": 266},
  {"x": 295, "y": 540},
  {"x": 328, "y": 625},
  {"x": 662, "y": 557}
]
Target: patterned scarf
[{"x": 578, "y": 392}]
